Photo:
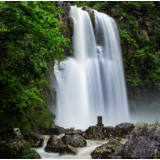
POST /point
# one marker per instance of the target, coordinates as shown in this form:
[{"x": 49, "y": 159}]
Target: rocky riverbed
[{"x": 126, "y": 140}]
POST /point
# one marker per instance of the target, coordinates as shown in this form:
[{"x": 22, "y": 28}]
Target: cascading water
[{"x": 92, "y": 82}]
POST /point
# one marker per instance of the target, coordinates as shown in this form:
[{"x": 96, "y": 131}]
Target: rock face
[
  {"x": 66, "y": 28},
  {"x": 144, "y": 143},
  {"x": 110, "y": 150},
  {"x": 74, "y": 140},
  {"x": 124, "y": 129},
  {"x": 35, "y": 139}
]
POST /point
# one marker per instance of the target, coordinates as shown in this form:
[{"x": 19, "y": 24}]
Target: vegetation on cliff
[{"x": 30, "y": 42}]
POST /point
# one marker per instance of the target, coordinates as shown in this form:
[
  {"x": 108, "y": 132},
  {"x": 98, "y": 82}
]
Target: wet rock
[
  {"x": 110, "y": 150},
  {"x": 74, "y": 132},
  {"x": 94, "y": 133},
  {"x": 54, "y": 144},
  {"x": 124, "y": 129},
  {"x": 109, "y": 132},
  {"x": 68, "y": 149},
  {"x": 74, "y": 140},
  {"x": 35, "y": 139},
  {"x": 99, "y": 133},
  {"x": 144, "y": 143},
  {"x": 11, "y": 148}
]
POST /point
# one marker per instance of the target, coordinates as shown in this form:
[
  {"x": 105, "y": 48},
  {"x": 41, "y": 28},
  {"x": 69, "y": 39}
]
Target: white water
[
  {"x": 83, "y": 153},
  {"x": 92, "y": 82}
]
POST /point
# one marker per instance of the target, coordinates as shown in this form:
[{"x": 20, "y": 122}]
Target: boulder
[
  {"x": 99, "y": 132},
  {"x": 111, "y": 150},
  {"x": 144, "y": 143},
  {"x": 74, "y": 140},
  {"x": 74, "y": 132},
  {"x": 124, "y": 129},
  {"x": 94, "y": 133},
  {"x": 35, "y": 139},
  {"x": 68, "y": 149},
  {"x": 109, "y": 132},
  {"x": 54, "y": 144}
]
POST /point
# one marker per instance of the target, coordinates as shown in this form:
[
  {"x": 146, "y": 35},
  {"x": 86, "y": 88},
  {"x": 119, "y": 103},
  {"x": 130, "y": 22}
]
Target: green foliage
[
  {"x": 156, "y": 123},
  {"x": 28, "y": 153},
  {"x": 30, "y": 42}
]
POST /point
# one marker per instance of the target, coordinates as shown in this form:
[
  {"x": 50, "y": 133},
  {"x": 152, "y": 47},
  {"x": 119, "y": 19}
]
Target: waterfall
[{"x": 91, "y": 83}]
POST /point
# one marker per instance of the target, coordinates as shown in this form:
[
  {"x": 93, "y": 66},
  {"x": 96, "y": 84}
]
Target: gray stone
[
  {"x": 124, "y": 129},
  {"x": 74, "y": 140},
  {"x": 144, "y": 143},
  {"x": 110, "y": 150}
]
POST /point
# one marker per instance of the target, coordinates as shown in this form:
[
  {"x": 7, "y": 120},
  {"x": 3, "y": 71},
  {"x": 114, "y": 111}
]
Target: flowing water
[
  {"x": 91, "y": 83},
  {"x": 83, "y": 153}
]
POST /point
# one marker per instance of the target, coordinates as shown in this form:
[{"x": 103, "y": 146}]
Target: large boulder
[
  {"x": 144, "y": 143},
  {"x": 94, "y": 133},
  {"x": 124, "y": 129},
  {"x": 74, "y": 140},
  {"x": 99, "y": 132},
  {"x": 54, "y": 144},
  {"x": 110, "y": 150},
  {"x": 68, "y": 149},
  {"x": 35, "y": 139}
]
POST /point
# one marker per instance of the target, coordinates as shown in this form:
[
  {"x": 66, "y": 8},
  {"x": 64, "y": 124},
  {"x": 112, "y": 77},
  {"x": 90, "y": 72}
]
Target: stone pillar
[{"x": 99, "y": 121}]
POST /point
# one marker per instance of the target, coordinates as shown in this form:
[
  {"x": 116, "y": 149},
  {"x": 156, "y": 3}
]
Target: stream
[{"x": 83, "y": 153}]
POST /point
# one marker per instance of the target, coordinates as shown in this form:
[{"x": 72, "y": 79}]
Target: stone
[
  {"x": 109, "y": 131},
  {"x": 54, "y": 144},
  {"x": 110, "y": 150},
  {"x": 99, "y": 132},
  {"x": 124, "y": 129},
  {"x": 144, "y": 143},
  {"x": 17, "y": 132},
  {"x": 74, "y": 140},
  {"x": 68, "y": 149},
  {"x": 94, "y": 133},
  {"x": 35, "y": 139}
]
